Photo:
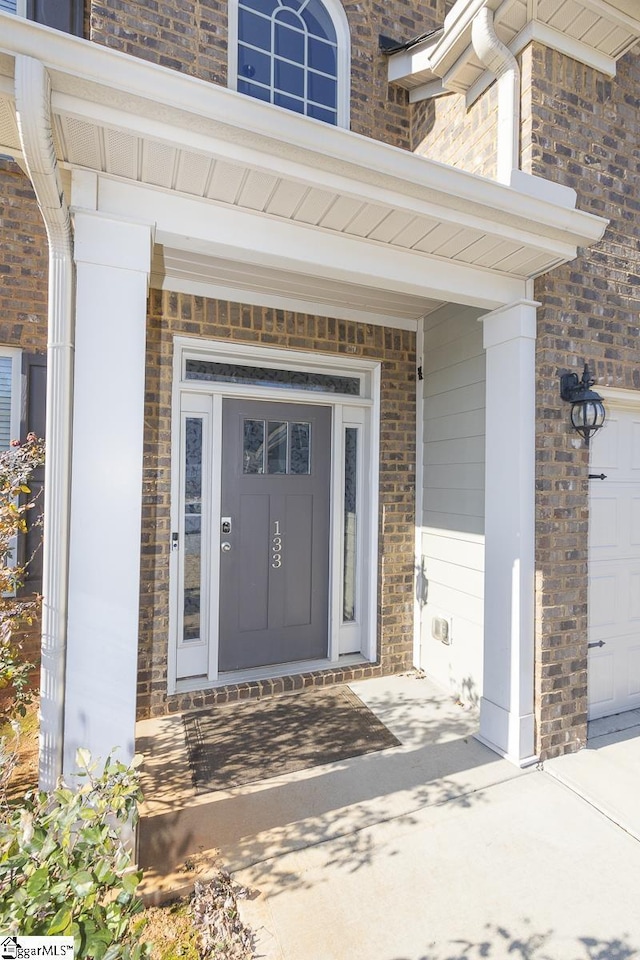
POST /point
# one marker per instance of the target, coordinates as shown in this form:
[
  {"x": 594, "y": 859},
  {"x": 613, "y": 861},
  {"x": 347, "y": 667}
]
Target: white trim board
[{"x": 362, "y": 411}]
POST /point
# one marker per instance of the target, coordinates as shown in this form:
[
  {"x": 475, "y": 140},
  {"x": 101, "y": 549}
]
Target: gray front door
[{"x": 274, "y": 564}]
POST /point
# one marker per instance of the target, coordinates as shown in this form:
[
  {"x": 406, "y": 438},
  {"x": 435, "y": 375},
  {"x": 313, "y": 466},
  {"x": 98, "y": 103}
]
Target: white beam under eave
[{"x": 205, "y": 227}]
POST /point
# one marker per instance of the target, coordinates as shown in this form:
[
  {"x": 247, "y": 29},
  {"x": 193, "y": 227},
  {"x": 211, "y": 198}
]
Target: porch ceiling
[
  {"x": 187, "y": 271},
  {"x": 595, "y": 32},
  {"x": 132, "y": 122}
]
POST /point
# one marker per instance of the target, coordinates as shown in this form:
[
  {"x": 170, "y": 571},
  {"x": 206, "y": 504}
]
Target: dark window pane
[
  {"x": 254, "y": 66},
  {"x": 268, "y": 376},
  {"x": 300, "y": 438},
  {"x": 321, "y": 89},
  {"x": 281, "y": 100},
  {"x": 254, "y": 30},
  {"x": 252, "y": 90},
  {"x": 318, "y": 21},
  {"x": 262, "y": 6},
  {"x": 277, "y": 447},
  {"x": 294, "y": 4},
  {"x": 319, "y": 113},
  {"x": 322, "y": 56},
  {"x": 289, "y": 43},
  {"x": 290, "y": 18},
  {"x": 253, "y": 447},
  {"x": 289, "y": 79}
]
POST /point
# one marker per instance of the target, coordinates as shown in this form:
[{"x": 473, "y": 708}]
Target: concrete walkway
[{"x": 434, "y": 850}]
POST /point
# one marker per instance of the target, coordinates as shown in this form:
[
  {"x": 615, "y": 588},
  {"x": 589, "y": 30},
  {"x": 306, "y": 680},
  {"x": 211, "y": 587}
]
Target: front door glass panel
[
  {"x": 287, "y": 449},
  {"x": 253, "y": 447},
  {"x": 271, "y": 376},
  {"x": 350, "y": 524},
  {"x": 277, "y": 447},
  {"x": 192, "y": 530}
]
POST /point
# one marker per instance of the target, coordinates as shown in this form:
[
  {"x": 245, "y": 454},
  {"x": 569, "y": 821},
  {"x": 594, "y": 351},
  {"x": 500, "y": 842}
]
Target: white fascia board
[
  {"x": 407, "y": 63},
  {"x": 428, "y": 91},
  {"x": 209, "y": 228},
  {"x": 534, "y": 222},
  {"x": 143, "y": 91}
]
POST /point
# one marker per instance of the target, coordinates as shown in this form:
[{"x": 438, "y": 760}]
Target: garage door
[{"x": 614, "y": 565}]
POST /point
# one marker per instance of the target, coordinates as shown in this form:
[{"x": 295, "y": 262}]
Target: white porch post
[
  {"x": 112, "y": 261},
  {"x": 506, "y": 711}
]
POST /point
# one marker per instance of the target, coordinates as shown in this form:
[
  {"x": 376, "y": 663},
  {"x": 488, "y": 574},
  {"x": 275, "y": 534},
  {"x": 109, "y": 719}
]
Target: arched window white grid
[{"x": 294, "y": 53}]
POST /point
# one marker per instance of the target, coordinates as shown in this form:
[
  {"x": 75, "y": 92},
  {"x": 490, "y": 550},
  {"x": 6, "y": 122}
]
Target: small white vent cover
[{"x": 441, "y": 630}]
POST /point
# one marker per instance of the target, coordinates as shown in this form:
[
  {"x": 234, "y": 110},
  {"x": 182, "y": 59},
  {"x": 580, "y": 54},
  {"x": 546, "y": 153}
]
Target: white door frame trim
[{"x": 362, "y": 411}]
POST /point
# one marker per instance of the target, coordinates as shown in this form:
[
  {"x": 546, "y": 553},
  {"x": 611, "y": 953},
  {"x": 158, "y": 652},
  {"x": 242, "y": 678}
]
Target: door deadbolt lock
[
  {"x": 226, "y": 525},
  {"x": 225, "y": 547}
]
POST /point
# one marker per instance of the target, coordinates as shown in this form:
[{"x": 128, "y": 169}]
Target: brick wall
[
  {"x": 176, "y": 314},
  {"x": 191, "y": 36},
  {"x": 581, "y": 130},
  {"x": 23, "y": 264},
  {"x": 445, "y": 130},
  {"x": 23, "y": 295}
]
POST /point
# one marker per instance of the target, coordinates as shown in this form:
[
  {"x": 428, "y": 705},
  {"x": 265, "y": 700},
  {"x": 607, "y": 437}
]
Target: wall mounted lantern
[{"x": 587, "y": 409}]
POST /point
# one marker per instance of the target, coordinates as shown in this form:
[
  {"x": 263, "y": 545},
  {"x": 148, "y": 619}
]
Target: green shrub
[
  {"x": 64, "y": 868},
  {"x": 16, "y": 466}
]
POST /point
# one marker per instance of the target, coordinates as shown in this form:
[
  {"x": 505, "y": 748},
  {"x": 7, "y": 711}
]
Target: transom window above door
[{"x": 292, "y": 53}]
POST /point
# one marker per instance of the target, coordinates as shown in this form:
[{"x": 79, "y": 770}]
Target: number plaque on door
[{"x": 276, "y": 546}]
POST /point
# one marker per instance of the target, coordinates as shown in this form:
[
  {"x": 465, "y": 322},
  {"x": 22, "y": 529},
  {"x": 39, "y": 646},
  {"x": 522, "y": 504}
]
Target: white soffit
[{"x": 594, "y": 32}]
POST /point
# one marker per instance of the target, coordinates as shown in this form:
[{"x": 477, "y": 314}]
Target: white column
[
  {"x": 112, "y": 267},
  {"x": 506, "y": 711}
]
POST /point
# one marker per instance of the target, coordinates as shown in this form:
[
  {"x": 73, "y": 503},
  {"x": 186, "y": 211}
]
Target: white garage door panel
[
  {"x": 614, "y": 566},
  {"x": 634, "y": 672},
  {"x": 602, "y": 590},
  {"x": 601, "y": 684},
  {"x": 634, "y": 600},
  {"x": 603, "y": 523},
  {"x": 635, "y": 521}
]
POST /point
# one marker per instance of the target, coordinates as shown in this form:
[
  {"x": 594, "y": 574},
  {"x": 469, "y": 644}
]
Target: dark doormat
[{"x": 239, "y": 743}]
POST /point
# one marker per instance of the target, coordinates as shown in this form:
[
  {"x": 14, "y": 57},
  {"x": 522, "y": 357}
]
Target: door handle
[{"x": 225, "y": 547}]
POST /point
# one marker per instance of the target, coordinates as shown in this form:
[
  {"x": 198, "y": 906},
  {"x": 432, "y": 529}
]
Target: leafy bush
[
  {"x": 64, "y": 868},
  {"x": 16, "y": 466}
]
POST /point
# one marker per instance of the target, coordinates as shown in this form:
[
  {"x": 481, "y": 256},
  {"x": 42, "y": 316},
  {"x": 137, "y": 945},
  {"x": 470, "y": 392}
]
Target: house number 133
[{"x": 276, "y": 546}]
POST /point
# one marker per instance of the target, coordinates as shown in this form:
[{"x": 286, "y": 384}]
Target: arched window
[{"x": 294, "y": 53}]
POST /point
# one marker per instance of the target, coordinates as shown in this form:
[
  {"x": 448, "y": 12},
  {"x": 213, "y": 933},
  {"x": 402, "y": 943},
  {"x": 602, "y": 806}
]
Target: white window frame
[
  {"x": 15, "y": 354},
  {"x": 362, "y": 411},
  {"x": 343, "y": 37}
]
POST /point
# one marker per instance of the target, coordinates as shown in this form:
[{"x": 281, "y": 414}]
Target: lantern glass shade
[{"x": 587, "y": 416}]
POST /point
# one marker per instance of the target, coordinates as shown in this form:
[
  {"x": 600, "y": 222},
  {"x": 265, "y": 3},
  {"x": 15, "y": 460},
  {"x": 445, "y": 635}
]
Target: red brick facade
[
  {"x": 585, "y": 131},
  {"x": 173, "y": 315}
]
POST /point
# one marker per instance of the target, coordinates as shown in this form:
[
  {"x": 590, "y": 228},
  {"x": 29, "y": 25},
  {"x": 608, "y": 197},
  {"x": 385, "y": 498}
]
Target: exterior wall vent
[{"x": 441, "y": 630}]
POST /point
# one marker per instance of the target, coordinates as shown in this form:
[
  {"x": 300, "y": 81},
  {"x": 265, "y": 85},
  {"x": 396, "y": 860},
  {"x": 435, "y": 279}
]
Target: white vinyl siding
[
  {"x": 14, "y": 6},
  {"x": 452, "y": 535}
]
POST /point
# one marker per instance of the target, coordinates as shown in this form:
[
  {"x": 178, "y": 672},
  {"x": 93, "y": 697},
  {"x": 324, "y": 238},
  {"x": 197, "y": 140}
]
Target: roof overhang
[
  {"x": 594, "y": 32},
  {"x": 250, "y": 197}
]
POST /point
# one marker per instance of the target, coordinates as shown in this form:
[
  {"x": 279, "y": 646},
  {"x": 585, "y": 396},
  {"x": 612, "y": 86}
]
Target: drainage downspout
[
  {"x": 499, "y": 60},
  {"x": 33, "y": 107}
]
